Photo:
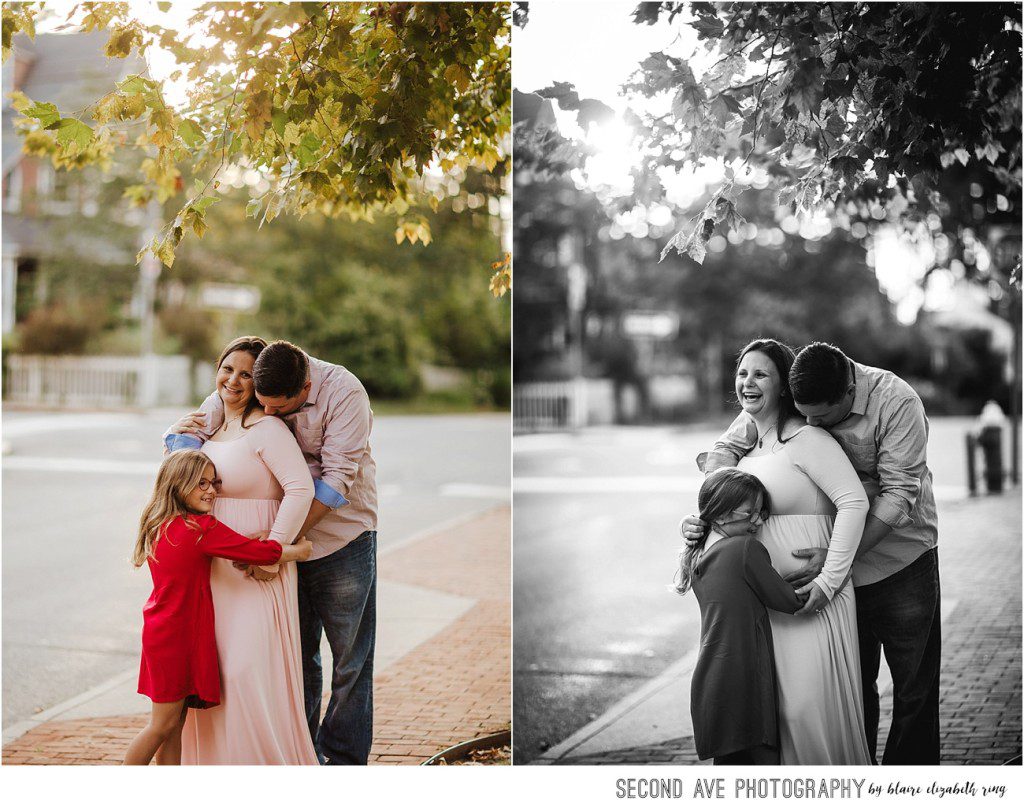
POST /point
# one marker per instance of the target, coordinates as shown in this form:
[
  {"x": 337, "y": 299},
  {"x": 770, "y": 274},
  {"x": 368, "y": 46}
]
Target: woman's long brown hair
[{"x": 252, "y": 346}]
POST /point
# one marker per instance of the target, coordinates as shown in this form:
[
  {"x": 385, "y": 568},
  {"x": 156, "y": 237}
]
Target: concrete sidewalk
[
  {"x": 443, "y": 662},
  {"x": 980, "y": 573}
]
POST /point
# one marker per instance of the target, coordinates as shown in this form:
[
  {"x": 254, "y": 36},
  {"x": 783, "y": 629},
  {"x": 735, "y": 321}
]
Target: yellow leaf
[
  {"x": 165, "y": 252},
  {"x": 501, "y": 281},
  {"x": 161, "y": 138},
  {"x": 457, "y": 75},
  {"x": 19, "y": 100}
]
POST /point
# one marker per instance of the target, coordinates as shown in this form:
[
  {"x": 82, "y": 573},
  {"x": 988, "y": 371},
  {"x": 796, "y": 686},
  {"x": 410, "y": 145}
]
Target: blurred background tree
[
  {"x": 342, "y": 107},
  {"x": 769, "y": 193},
  {"x": 392, "y": 284},
  {"x": 348, "y": 293},
  {"x": 873, "y": 111}
]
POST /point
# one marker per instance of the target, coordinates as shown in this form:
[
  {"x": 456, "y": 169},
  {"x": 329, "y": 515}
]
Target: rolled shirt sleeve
[
  {"x": 902, "y": 462},
  {"x": 214, "y": 409},
  {"x": 322, "y": 492},
  {"x": 346, "y": 437},
  {"x": 734, "y": 443},
  {"x": 174, "y": 441}
]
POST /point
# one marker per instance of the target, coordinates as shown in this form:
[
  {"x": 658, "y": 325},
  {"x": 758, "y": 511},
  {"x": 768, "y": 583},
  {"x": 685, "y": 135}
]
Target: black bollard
[
  {"x": 972, "y": 483},
  {"x": 991, "y": 440}
]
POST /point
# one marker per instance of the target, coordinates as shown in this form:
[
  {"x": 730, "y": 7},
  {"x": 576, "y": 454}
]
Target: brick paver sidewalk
[
  {"x": 980, "y": 711},
  {"x": 451, "y": 688}
]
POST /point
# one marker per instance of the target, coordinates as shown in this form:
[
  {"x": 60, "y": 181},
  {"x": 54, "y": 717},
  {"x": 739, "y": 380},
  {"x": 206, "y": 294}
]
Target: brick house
[{"x": 69, "y": 70}]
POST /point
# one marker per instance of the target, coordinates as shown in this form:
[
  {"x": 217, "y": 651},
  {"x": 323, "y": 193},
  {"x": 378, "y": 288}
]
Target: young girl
[
  {"x": 732, "y": 693},
  {"x": 178, "y": 537}
]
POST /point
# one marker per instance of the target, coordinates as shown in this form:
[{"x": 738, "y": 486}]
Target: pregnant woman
[
  {"x": 265, "y": 486},
  {"x": 817, "y": 501}
]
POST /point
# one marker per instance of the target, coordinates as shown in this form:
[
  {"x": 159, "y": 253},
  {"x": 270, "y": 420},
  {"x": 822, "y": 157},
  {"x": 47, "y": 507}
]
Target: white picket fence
[
  {"x": 540, "y": 406},
  {"x": 100, "y": 381}
]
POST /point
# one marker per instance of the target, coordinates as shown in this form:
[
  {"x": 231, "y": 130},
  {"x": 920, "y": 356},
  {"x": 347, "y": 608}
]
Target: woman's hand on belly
[
  {"x": 809, "y": 571},
  {"x": 814, "y": 597},
  {"x": 263, "y": 573}
]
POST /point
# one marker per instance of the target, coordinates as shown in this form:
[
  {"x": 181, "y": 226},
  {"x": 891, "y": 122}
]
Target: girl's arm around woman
[{"x": 765, "y": 581}]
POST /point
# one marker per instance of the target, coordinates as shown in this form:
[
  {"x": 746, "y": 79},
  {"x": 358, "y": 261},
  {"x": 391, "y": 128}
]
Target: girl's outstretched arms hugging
[
  {"x": 220, "y": 540},
  {"x": 770, "y": 587}
]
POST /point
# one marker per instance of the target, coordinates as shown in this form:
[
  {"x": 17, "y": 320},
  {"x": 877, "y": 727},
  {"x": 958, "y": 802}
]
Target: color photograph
[{"x": 256, "y": 383}]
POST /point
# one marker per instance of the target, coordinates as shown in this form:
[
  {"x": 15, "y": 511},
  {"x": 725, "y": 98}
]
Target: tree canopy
[
  {"x": 877, "y": 110},
  {"x": 341, "y": 108}
]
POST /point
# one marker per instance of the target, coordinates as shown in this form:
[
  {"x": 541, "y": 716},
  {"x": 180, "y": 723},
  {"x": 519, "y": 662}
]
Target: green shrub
[{"x": 57, "y": 329}]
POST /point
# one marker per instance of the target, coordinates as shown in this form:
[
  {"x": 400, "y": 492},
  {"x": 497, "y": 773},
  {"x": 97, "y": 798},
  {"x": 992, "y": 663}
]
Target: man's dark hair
[
  {"x": 280, "y": 370},
  {"x": 820, "y": 374}
]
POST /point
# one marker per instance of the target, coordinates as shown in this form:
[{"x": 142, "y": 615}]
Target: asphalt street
[
  {"x": 594, "y": 550},
  {"x": 75, "y": 483}
]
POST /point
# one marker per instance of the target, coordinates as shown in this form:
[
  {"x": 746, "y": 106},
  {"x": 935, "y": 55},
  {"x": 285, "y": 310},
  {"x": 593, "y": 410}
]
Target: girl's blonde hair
[
  {"x": 722, "y": 492},
  {"x": 178, "y": 475}
]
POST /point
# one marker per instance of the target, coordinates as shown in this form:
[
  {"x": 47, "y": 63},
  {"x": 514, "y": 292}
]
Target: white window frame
[{"x": 12, "y": 199}]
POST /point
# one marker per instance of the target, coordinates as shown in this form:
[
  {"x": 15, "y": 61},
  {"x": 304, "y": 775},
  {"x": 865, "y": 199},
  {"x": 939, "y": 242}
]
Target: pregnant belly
[
  {"x": 784, "y": 534},
  {"x": 246, "y": 516}
]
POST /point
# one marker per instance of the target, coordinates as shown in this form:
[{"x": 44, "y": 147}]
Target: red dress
[{"x": 179, "y": 649}]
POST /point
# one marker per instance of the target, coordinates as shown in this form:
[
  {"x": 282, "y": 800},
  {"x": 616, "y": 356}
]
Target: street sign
[
  {"x": 650, "y": 324},
  {"x": 230, "y": 296}
]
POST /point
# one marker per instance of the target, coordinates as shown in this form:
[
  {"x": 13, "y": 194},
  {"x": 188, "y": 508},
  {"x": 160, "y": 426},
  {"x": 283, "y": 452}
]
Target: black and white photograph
[{"x": 766, "y": 384}]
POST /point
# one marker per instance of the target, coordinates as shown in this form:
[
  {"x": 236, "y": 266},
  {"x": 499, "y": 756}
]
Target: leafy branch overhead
[
  {"x": 848, "y": 106},
  {"x": 341, "y": 108},
  {"x": 501, "y": 280}
]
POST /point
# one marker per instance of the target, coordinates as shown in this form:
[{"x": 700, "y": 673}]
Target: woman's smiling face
[
  {"x": 234, "y": 379},
  {"x": 758, "y": 386}
]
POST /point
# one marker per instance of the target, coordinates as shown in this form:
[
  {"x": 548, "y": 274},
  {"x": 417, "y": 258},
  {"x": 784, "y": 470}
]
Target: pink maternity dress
[
  {"x": 817, "y": 501},
  {"x": 261, "y": 718}
]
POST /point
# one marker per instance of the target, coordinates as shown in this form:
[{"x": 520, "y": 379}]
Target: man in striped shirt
[{"x": 880, "y": 422}]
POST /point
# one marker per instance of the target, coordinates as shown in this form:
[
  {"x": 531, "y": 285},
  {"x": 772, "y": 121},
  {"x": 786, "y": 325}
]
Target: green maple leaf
[
  {"x": 46, "y": 114},
  {"x": 71, "y": 130},
  {"x": 279, "y": 120},
  {"x": 133, "y": 85},
  {"x": 306, "y": 152},
  {"x": 204, "y": 202},
  {"x": 190, "y": 133}
]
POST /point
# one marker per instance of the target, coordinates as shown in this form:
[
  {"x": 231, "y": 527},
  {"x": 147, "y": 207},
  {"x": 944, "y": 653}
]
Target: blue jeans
[
  {"x": 338, "y": 595},
  {"x": 900, "y": 615}
]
